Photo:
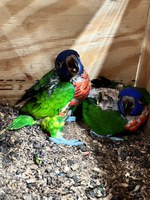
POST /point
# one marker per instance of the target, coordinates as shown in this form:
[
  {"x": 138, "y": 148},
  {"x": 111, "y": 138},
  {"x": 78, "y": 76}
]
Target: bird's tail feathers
[
  {"x": 21, "y": 121},
  {"x": 102, "y": 81}
]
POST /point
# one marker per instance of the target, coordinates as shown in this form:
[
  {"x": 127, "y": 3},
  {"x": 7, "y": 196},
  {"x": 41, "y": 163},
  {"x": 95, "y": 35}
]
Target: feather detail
[
  {"x": 47, "y": 81},
  {"x": 45, "y": 105},
  {"x": 82, "y": 87},
  {"x": 21, "y": 121},
  {"x": 101, "y": 121}
]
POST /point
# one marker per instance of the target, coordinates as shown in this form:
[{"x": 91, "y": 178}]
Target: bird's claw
[
  {"x": 64, "y": 141},
  {"x": 106, "y": 136}
]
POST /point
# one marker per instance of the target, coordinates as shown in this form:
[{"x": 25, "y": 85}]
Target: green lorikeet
[
  {"x": 111, "y": 111},
  {"x": 102, "y": 122},
  {"x": 53, "y": 97}
]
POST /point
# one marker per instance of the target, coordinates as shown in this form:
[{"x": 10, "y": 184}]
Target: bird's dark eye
[
  {"x": 140, "y": 101},
  {"x": 58, "y": 64}
]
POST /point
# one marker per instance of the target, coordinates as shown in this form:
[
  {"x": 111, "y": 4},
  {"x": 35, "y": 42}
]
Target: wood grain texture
[
  {"x": 107, "y": 34},
  {"x": 143, "y": 71}
]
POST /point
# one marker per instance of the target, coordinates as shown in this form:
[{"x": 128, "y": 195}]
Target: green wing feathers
[
  {"x": 102, "y": 122},
  {"x": 45, "y": 105},
  {"x": 44, "y": 82},
  {"x": 21, "y": 121}
]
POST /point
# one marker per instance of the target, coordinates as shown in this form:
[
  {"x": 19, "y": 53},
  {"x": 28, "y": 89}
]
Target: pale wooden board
[
  {"x": 107, "y": 33},
  {"x": 143, "y": 71},
  {"x": 122, "y": 58}
]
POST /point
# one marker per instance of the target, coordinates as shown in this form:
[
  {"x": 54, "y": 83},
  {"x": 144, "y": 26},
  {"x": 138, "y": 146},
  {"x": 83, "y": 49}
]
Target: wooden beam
[
  {"x": 143, "y": 71},
  {"x": 118, "y": 56}
]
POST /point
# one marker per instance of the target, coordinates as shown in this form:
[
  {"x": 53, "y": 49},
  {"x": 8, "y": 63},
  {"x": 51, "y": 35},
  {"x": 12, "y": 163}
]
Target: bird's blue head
[
  {"x": 130, "y": 101},
  {"x": 68, "y": 64}
]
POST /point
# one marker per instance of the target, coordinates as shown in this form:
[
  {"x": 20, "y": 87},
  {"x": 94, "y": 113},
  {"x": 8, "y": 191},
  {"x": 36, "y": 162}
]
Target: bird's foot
[
  {"x": 137, "y": 121},
  {"x": 106, "y": 136},
  {"x": 61, "y": 140}
]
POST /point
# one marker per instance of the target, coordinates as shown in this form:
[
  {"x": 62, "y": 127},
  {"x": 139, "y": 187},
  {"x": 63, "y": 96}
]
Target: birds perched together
[
  {"x": 113, "y": 109},
  {"x": 108, "y": 107},
  {"x": 51, "y": 100}
]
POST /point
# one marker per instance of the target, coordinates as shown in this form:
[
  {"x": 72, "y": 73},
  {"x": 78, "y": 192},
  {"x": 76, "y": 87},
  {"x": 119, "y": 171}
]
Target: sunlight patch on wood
[{"x": 96, "y": 39}]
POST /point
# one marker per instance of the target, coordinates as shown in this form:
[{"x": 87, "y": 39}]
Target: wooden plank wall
[
  {"x": 108, "y": 34},
  {"x": 143, "y": 71}
]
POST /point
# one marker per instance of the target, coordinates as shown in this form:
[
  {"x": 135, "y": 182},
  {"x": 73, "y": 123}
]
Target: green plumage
[
  {"x": 53, "y": 125},
  {"x": 45, "y": 105},
  {"x": 44, "y": 83},
  {"x": 102, "y": 122},
  {"x": 21, "y": 121}
]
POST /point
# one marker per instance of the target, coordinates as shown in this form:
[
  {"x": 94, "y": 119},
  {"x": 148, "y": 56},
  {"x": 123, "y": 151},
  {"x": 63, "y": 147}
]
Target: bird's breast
[{"x": 82, "y": 88}]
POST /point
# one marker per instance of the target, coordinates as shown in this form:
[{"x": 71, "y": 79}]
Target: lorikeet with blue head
[
  {"x": 113, "y": 109},
  {"x": 133, "y": 104},
  {"x": 51, "y": 100}
]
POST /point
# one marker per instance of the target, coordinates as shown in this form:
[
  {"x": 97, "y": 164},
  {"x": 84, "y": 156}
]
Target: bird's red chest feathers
[{"x": 82, "y": 88}]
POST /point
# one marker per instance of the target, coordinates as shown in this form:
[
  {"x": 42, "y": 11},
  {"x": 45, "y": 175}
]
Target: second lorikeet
[
  {"x": 133, "y": 104},
  {"x": 51, "y": 99},
  {"x": 111, "y": 111}
]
